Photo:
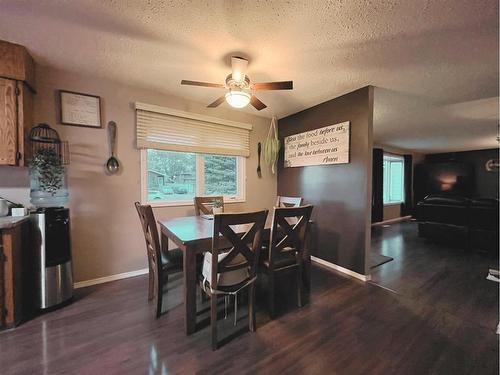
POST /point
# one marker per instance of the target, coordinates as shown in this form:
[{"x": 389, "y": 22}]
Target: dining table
[{"x": 193, "y": 235}]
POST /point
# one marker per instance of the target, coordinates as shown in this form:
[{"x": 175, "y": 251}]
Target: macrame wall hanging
[{"x": 272, "y": 146}]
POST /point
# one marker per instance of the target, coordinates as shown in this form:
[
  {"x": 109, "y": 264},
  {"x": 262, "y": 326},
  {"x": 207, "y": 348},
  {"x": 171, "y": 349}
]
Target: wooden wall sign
[{"x": 323, "y": 146}]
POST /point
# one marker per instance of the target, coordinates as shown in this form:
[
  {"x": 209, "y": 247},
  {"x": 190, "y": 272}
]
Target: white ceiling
[
  {"x": 412, "y": 123},
  {"x": 439, "y": 54}
]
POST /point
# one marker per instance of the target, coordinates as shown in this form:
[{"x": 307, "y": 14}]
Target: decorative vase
[{"x": 217, "y": 210}]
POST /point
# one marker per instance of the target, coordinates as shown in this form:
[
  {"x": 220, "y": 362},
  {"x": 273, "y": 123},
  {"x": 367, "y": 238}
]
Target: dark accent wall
[
  {"x": 407, "y": 206},
  {"x": 341, "y": 194},
  {"x": 378, "y": 185},
  {"x": 469, "y": 166}
]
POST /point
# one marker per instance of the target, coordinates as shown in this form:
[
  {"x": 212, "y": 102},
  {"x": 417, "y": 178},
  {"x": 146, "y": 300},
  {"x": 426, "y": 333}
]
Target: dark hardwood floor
[
  {"x": 448, "y": 279},
  {"x": 349, "y": 327}
]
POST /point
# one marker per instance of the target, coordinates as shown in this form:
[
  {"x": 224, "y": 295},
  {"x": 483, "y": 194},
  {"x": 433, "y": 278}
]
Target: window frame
[
  {"x": 200, "y": 182},
  {"x": 399, "y": 159}
]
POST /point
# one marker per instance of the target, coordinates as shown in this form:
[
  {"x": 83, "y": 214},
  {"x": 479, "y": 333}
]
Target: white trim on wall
[
  {"x": 392, "y": 221},
  {"x": 106, "y": 279},
  {"x": 144, "y": 271},
  {"x": 341, "y": 269}
]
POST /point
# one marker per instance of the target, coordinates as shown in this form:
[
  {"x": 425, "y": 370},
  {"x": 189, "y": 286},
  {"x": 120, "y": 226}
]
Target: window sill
[{"x": 188, "y": 203}]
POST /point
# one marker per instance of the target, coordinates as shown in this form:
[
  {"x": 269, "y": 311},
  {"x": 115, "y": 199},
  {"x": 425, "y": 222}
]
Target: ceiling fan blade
[
  {"x": 283, "y": 85},
  {"x": 239, "y": 67},
  {"x": 204, "y": 84},
  {"x": 257, "y": 103},
  {"x": 217, "y": 103}
]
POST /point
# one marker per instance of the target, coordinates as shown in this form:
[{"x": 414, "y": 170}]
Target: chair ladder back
[
  {"x": 288, "y": 201},
  {"x": 224, "y": 234},
  {"x": 203, "y": 205},
  {"x": 289, "y": 230},
  {"x": 150, "y": 235}
]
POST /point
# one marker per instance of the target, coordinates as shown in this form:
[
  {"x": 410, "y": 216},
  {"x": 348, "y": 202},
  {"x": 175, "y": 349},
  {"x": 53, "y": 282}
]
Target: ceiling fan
[{"x": 240, "y": 90}]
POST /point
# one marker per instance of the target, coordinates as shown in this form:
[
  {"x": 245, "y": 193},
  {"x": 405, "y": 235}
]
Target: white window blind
[{"x": 172, "y": 130}]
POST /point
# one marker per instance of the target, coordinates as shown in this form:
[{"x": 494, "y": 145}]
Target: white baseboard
[
  {"x": 106, "y": 279},
  {"x": 392, "y": 221},
  {"x": 341, "y": 269},
  {"x": 126, "y": 275}
]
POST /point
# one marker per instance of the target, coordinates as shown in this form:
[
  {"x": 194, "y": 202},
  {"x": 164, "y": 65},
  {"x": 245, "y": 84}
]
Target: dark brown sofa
[{"x": 459, "y": 222}]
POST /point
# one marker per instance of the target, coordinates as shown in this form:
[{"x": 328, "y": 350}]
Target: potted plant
[{"x": 218, "y": 206}]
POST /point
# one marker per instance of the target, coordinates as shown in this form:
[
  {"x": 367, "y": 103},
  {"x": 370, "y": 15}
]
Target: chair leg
[
  {"x": 300, "y": 285},
  {"x": 159, "y": 297},
  {"x": 204, "y": 296},
  {"x": 251, "y": 308},
  {"x": 271, "y": 295},
  {"x": 165, "y": 283},
  {"x": 226, "y": 302},
  {"x": 235, "y": 308},
  {"x": 151, "y": 292},
  {"x": 213, "y": 320}
]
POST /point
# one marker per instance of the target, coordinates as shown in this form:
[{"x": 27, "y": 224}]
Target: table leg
[
  {"x": 164, "y": 242},
  {"x": 190, "y": 290}
]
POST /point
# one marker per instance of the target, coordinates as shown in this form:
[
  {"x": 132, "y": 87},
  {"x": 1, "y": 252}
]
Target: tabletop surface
[
  {"x": 8, "y": 222},
  {"x": 195, "y": 228}
]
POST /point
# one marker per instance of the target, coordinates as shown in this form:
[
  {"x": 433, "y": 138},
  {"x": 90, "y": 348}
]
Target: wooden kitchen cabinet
[
  {"x": 16, "y": 272},
  {"x": 17, "y": 85}
]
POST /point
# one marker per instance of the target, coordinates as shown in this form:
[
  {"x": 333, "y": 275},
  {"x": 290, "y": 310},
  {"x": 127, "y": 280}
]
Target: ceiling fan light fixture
[
  {"x": 238, "y": 77},
  {"x": 240, "y": 91},
  {"x": 238, "y": 99}
]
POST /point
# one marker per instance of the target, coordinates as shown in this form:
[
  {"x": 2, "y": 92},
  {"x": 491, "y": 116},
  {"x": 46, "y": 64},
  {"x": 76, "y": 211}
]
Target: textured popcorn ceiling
[{"x": 438, "y": 60}]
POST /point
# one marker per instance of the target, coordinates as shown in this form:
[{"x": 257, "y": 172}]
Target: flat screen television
[{"x": 454, "y": 178}]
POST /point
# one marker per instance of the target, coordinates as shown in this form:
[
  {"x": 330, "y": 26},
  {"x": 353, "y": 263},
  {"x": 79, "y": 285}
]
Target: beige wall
[{"x": 106, "y": 235}]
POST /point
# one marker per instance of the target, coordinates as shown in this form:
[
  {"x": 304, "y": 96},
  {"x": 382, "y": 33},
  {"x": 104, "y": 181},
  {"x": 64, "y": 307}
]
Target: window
[
  {"x": 393, "y": 179},
  {"x": 174, "y": 178},
  {"x": 186, "y": 154}
]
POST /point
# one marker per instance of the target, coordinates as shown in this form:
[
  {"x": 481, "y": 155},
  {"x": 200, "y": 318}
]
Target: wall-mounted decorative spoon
[{"x": 112, "y": 166}]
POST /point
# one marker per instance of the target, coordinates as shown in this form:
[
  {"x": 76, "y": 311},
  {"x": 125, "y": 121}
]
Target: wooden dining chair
[
  {"x": 288, "y": 201},
  {"x": 286, "y": 247},
  {"x": 203, "y": 205},
  {"x": 241, "y": 254},
  {"x": 162, "y": 262},
  {"x": 282, "y": 201}
]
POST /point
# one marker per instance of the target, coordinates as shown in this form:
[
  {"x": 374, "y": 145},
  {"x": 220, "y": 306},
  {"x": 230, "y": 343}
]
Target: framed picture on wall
[{"x": 80, "y": 109}]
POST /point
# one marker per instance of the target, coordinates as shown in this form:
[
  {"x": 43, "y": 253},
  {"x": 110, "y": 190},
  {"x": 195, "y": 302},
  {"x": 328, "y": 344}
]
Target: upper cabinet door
[{"x": 8, "y": 122}]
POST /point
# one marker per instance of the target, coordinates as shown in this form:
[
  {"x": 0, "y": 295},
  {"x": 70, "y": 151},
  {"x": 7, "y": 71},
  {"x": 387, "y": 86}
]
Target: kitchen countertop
[{"x": 8, "y": 222}]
